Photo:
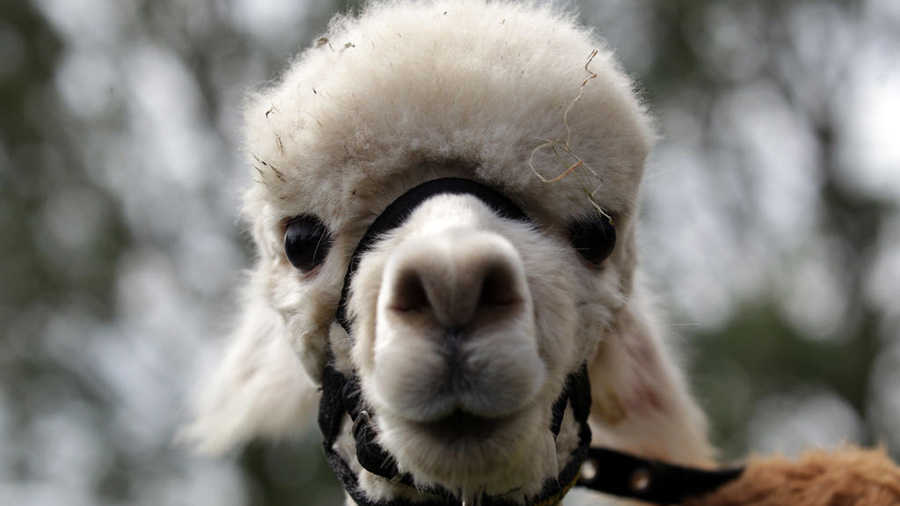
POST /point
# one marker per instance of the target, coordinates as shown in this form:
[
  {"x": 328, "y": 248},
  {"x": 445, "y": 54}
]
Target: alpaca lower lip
[{"x": 462, "y": 425}]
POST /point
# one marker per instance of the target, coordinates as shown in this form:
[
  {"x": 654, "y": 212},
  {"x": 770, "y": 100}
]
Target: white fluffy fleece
[{"x": 511, "y": 95}]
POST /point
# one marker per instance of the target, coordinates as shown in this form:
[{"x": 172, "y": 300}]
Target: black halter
[{"x": 616, "y": 472}]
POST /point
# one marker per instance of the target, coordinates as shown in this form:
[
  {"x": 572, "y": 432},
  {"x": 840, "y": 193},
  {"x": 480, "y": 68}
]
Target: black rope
[{"x": 340, "y": 396}]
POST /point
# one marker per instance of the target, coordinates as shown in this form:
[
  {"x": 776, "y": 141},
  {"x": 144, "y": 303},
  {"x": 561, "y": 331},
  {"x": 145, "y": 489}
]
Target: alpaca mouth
[{"x": 461, "y": 425}]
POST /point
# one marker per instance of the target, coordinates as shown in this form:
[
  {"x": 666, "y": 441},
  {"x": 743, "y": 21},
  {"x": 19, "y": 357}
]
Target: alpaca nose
[
  {"x": 457, "y": 281},
  {"x": 455, "y": 328}
]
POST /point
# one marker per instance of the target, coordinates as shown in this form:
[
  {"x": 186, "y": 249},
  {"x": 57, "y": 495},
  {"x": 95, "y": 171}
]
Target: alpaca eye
[
  {"x": 594, "y": 238},
  {"x": 306, "y": 242}
]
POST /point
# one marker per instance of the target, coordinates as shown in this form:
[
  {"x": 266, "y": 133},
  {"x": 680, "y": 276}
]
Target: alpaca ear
[
  {"x": 257, "y": 388},
  {"x": 641, "y": 402}
]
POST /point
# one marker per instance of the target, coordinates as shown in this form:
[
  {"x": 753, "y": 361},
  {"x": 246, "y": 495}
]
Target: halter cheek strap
[{"x": 616, "y": 472}]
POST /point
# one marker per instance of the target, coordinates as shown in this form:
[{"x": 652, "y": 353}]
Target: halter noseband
[{"x": 661, "y": 482}]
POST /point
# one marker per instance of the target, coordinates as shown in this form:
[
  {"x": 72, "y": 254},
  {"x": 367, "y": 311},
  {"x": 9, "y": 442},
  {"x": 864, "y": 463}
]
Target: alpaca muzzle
[{"x": 605, "y": 470}]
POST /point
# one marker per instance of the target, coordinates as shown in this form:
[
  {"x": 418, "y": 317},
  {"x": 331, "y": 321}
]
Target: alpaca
[{"x": 516, "y": 146}]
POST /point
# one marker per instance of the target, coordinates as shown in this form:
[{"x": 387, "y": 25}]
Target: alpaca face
[
  {"x": 464, "y": 324},
  {"x": 464, "y": 333}
]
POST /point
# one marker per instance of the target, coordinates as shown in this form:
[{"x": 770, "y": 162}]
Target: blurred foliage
[
  {"x": 40, "y": 163},
  {"x": 108, "y": 297},
  {"x": 37, "y": 165},
  {"x": 760, "y": 343}
]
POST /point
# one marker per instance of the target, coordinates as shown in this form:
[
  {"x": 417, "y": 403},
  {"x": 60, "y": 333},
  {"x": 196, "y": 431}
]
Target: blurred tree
[
  {"x": 49, "y": 263},
  {"x": 805, "y": 52}
]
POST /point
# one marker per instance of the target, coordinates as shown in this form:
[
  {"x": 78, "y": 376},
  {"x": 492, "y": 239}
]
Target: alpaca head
[{"x": 463, "y": 321}]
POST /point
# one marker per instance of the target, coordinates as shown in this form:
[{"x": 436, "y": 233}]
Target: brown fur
[{"x": 846, "y": 477}]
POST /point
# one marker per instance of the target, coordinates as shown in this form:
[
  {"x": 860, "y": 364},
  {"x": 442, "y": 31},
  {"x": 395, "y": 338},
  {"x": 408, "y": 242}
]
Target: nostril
[
  {"x": 498, "y": 287},
  {"x": 409, "y": 293}
]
